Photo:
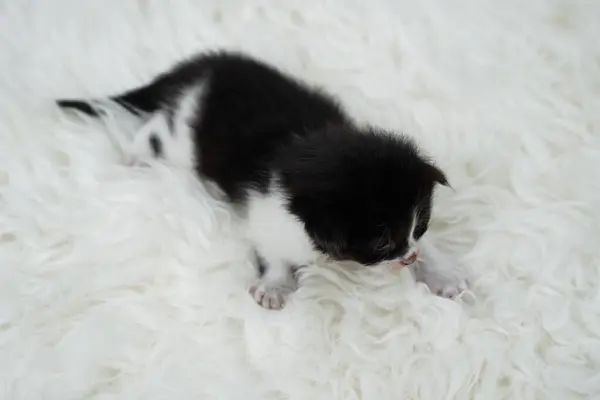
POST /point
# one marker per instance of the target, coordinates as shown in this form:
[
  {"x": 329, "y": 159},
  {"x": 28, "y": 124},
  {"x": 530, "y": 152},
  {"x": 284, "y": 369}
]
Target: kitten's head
[{"x": 363, "y": 196}]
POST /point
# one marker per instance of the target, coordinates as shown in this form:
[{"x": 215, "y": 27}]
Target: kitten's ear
[{"x": 438, "y": 176}]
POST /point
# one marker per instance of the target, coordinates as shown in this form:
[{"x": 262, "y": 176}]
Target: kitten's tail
[
  {"x": 142, "y": 100},
  {"x": 123, "y": 115},
  {"x": 79, "y": 105}
]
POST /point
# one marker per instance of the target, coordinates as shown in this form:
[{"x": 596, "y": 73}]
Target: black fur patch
[
  {"x": 261, "y": 264},
  {"x": 78, "y": 105},
  {"x": 156, "y": 146}
]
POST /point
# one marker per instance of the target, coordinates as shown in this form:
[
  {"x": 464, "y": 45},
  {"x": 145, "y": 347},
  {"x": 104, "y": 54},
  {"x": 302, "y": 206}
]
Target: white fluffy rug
[{"x": 128, "y": 284}]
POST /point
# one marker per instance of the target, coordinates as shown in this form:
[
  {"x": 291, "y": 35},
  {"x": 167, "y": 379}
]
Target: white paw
[
  {"x": 448, "y": 283},
  {"x": 271, "y": 296},
  {"x": 449, "y": 288}
]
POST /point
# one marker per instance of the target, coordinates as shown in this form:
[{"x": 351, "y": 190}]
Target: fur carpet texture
[{"x": 122, "y": 283}]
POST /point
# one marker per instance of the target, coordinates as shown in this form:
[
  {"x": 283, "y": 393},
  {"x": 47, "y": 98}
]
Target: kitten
[{"x": 308, "y": 180}]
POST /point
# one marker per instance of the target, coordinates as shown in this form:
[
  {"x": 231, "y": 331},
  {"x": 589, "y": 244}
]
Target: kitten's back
[{"x": 247, "y": 111}]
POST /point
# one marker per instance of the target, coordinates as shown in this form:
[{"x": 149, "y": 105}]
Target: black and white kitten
[{"x": 308, "y": 180}]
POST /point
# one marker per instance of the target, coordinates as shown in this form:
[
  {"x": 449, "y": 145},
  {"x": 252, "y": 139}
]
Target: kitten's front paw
[
  {"x": 446, "y": 282},
  {"x": 449, "y": 288},
  {"x": 271, "y": 296}
]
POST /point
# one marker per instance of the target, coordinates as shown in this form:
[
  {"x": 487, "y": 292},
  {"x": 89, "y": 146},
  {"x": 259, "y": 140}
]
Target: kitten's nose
[{"x": 410, "y": 258}]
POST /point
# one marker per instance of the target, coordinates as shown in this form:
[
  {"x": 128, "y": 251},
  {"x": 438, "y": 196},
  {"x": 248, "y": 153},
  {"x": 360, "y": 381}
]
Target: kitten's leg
[
  {"x": 275, "y": 285},
  {"x": 438, "y": 272},
  {"x": 281, "y": 241}
]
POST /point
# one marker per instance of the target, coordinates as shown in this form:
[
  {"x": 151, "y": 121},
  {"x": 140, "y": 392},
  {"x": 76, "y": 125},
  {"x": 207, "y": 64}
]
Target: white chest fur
[{"x": 278, "y": 235}]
